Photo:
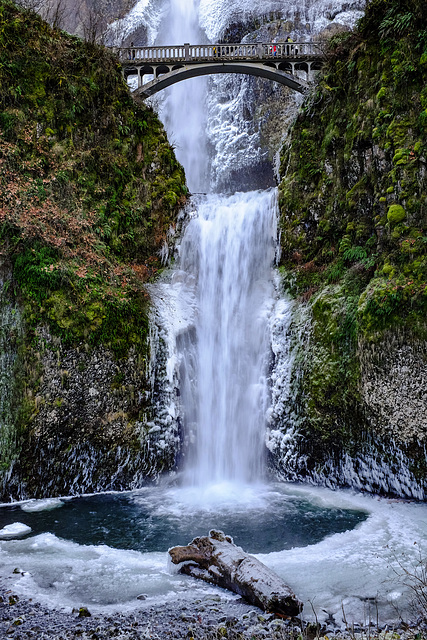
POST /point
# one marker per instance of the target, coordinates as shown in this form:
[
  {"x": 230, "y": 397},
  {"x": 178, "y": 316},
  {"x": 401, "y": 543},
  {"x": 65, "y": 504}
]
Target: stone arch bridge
[{"x": 289, "y": 63}]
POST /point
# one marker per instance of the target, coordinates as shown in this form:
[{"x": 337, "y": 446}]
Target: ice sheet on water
[
  {"x": 60, "y": 573},
  {"x": 41, "y": 505},
  {"x": 15, "y": 530},
  {"x": 356, "y": 569},
  {"x": 360, "y": 570}
]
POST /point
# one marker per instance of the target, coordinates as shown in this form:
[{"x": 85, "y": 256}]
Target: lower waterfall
[{"x": 228, "y": 252}]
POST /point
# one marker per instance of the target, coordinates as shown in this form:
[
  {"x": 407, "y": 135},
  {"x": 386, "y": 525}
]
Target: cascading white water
[
  {"x": 182, "y": 106},
  {"x": 228, "y": 251},
  {"x": 229, "y": 248}
]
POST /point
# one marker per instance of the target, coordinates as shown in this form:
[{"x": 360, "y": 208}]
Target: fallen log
[{"x": 216, "y": 559}]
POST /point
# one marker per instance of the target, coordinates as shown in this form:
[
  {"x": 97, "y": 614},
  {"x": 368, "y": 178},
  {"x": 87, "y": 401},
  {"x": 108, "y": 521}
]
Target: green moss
[
  {"x": 382, "y": 93},
  {"x": 401, "y": 156},
  {"x": 322, "y": 214},
  {"x": 90, "y": 190},
  {"x": 348, "y": 248},
  {"x": 387, "y": 269},
  {"x": 96, "y": 185},
  {"x": 330, "y": 381},
  {"x": 395, "y": 214}
]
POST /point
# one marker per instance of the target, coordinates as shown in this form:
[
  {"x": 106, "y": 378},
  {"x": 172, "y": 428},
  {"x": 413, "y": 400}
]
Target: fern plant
[
  {"x": 350, "y": 252},
  {"x": 370, "y": 261},
  {"x": 335, "y": 271},
  {"x": 354, "y": 254},
  {"x": 345, "y": 243},
  {"x": 395, "y": 23}
]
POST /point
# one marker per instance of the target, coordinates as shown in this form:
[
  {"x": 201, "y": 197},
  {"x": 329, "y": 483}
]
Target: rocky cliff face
[
  {"x": 95, "y": 424},
  {"x": 88, "y": 214},
  {"x": 258, "y": 111},
  {"x": 354, "y": 213},
  {"x": 393, "y": 386}
]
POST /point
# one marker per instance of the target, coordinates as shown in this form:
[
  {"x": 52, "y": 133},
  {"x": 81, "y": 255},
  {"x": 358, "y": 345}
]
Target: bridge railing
[{"x": 211, "y": 52}]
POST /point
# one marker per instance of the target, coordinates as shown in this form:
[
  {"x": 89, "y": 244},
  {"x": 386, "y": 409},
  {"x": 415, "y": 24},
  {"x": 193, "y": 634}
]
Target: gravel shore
[
  {"x": 214, "y": 618},
  {"x": 211, "y": 618}
]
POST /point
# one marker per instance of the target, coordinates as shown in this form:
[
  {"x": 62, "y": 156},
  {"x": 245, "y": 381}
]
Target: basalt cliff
[
  {"x": 89, "y": 207},
  {"x": 353, "y": 202}
]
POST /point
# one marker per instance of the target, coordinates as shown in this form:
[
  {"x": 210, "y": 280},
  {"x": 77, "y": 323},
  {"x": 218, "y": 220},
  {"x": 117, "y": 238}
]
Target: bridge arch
[
  {"x": 161, "y": 70},
  {"x": 186, "y": 72}
]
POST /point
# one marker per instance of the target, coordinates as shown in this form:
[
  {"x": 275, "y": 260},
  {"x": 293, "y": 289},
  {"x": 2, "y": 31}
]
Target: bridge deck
[{"x": 201, "y": 53}]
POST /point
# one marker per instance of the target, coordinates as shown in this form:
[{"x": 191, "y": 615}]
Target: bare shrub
[{"x": 414, "y": 577}]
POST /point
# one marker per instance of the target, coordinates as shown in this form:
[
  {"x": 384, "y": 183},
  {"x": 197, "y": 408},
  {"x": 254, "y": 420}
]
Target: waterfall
[
  {"x": 223, "y": 279},
  {"x": 229, "y": 249},
  {"x": 182, "y": 108},
  {"x": 217, "y": 307},
  {"x": 226, "y": 258}
]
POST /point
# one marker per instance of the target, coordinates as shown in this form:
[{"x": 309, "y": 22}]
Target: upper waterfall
[
  {"x": 216, "y": 124},
  {"x": 182, "y": 109}
]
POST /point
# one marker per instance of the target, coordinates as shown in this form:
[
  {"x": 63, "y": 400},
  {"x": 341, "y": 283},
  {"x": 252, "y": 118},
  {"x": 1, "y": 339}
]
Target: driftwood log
[{"x": 216, "y": 559}]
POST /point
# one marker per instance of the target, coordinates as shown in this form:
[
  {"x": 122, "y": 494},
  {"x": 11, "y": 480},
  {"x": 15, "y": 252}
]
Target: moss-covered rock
[
  {"x": 89, "y": 203},
  {"x": 396, "y": 214},
  {"x": 353, "y": 201},
  {"x": 91, "y": 185}
]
